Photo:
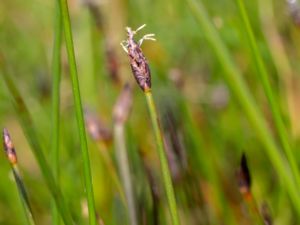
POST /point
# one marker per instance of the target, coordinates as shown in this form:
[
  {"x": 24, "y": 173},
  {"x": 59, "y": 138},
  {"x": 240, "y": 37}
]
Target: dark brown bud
[
  {"x": 9, "y": 147},
  {"x": 138, "y": 62},
  {"x": 123, "y": 105},
  {"x": 97, "y": 130},
  {"x": 243, "y": 176}
]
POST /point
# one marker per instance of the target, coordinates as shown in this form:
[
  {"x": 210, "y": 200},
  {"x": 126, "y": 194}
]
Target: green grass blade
[
  {"x": 269, "y": 92},
  {"x": 56, "y": 77},
  {"x": 242, "y": 95},
  {"x": 79, "y": 111},
  {"x": 162, "y": 157}
]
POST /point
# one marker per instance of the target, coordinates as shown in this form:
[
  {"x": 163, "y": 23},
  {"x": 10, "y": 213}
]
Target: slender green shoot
[
  {"x": 269, "y": 92},
  {"x": 245, "y": 99},
  {"x": 162, "y": 157},
  {"x": 141, "y": 72},
  {"x": 12, "y": 158},
  {"x": 23, "y": 194},
  {"x": 79, "y": 112},
  {"x": 56, "y": 76}
]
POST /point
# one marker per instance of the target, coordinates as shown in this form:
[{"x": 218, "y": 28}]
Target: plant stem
[
  {"x": 104, "y": 151},
  {"x": 269, "y": 93},
  {"x": 121, "y": 153},
  {"x": 56, "y": 76},
  {"x": 162, "y": 157},
  {"x": 23, "y": 194},
  {"x": 243, "y": 96},
  {"x": 79, "y": 111}
]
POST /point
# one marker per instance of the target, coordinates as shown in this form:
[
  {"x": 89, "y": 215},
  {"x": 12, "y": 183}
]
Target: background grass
[{"x": 194, "y": 98}]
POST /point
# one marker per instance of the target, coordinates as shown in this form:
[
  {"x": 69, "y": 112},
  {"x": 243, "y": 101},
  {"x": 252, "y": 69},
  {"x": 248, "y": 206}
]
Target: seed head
[
  {"x": 96, "y": 128},
  {"x": 243, "y": 176},
  {"x": 138, "y": 62},
  {"x": 9, "y": 148},
  {"x": 123, "y": 105}
]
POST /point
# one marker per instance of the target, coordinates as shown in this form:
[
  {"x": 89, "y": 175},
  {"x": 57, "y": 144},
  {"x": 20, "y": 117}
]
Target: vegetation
[{"x": 219, "y": 87}]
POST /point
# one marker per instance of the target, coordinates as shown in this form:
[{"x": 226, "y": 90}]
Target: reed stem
[
  {"x": 162, "y": 157},
  {"x": 23, "y": 194}
]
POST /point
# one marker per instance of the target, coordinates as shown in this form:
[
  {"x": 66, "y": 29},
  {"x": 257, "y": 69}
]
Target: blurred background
[{"x": 206, "y": 130}]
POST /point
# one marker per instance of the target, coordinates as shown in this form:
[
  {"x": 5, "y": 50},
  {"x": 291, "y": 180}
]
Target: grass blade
[
  {"x": 79, "y": 111},
  {"x": 56, "y": 77}
]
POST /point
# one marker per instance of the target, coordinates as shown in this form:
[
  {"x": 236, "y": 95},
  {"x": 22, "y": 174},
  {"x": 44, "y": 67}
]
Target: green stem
[
  {"x": 243, "y": 96},
  {"x": 79, "y": 111},
  {"x": 162, "y": 157},
  {"x": 23, "y": 194},
  {"x": 121, "y": 153},
  {"x": 56, "y": 76},
  {"x": 104, "y": 151},
  {"x": 269, "y": 93}
]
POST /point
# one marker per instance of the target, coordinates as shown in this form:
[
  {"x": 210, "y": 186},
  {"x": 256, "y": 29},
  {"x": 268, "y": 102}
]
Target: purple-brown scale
[
  {"x": 138, "y": 62},
  {"x": 9, "y": 147}
]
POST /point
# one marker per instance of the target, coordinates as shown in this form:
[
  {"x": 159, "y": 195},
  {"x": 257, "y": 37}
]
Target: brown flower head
[
  {"x": 9, "y": 147},
  {"x": 138, "y": 62}
]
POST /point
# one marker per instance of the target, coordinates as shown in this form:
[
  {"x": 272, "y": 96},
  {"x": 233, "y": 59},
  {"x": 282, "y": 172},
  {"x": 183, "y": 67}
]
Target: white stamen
[
  {"x": 124, "y": 45},
  {"x": 139, "y": 28}
]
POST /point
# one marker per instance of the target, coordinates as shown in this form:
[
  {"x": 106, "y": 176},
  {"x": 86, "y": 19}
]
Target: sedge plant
[
  {"x": 141, "y": 72},
  {"x": 12, "y": 158},
  {"x": 32, "y": 137}
]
